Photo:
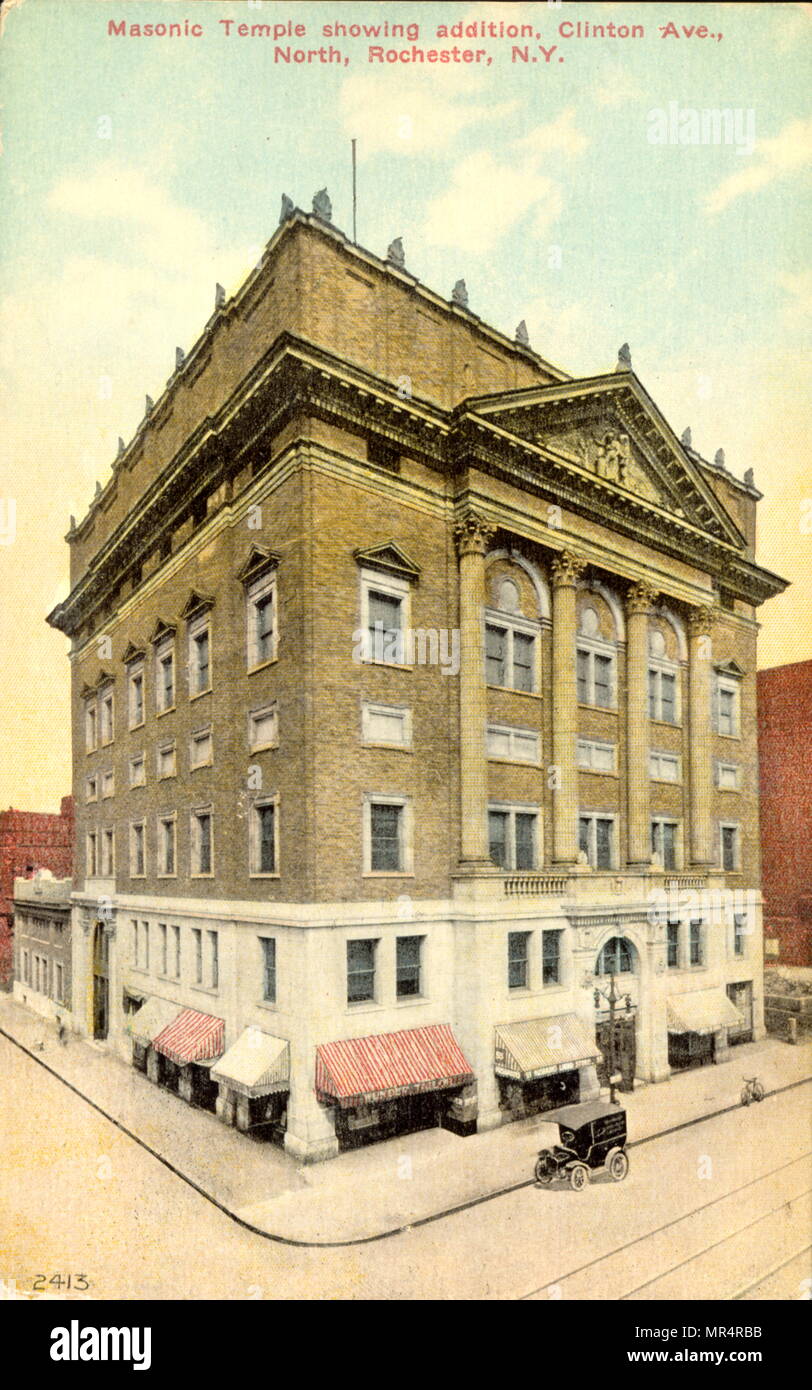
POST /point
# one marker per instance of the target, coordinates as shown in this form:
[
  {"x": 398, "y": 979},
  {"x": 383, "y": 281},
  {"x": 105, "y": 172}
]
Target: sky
[{"x": 136, "y": 172}]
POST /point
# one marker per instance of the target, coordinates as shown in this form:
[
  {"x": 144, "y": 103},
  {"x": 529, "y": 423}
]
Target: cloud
[
  {"x": 618, "y": 87},
  {"x": 797, "y": 308},
  {"x": 561, "y": 135},
  {"x": 786, "y": 153},
  {"x": 404, "y": 115}
]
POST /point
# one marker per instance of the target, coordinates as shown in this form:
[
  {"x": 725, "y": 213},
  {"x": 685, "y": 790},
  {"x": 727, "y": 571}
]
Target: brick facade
[
  {"x": 785, "y": 762},
  {"x": 29, "y": 840}
]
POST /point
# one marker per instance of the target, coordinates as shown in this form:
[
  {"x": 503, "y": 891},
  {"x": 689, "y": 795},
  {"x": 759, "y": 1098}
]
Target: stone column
[
  {"x": 565, "y": 571},
  {"x": 639, "y": 600},
  {"x": 700, "y": 622},
  {"x": 473, "y": 536}
]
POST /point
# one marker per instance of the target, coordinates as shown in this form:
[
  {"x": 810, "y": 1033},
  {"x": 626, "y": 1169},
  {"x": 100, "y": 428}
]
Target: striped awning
[
  {"x": 257, "y": 1064},
  {"x": 363, "y": 1071},
  {"x": 703, "y": 1011},
  {"x": 151, "y": 1019},
  {"x": 542, "y": 1047},
  {"x": 191, "y": 1037}
]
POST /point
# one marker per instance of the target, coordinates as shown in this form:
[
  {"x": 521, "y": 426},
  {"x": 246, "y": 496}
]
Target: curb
[{"x": 381, "y": 1235}]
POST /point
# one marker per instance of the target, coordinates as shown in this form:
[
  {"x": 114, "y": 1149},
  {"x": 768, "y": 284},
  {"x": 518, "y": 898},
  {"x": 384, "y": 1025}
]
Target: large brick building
[
  {"x": 29, "y": 840},
  {"x": 413, "y": 698},
  {"x": 785, "y": 762}
]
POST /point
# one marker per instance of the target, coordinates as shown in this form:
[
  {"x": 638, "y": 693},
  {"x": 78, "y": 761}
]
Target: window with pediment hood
[
  {"x": 387, "y": 576},
  {"x": 197, "y": 613},
  {"x": 259, "y": 578},
  {"x": 163, "y": 644},
  {"x": 727, "y": 698}
]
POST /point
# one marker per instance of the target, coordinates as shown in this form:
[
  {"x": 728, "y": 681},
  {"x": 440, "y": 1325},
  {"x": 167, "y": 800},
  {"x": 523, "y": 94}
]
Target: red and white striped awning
[
  {"x": 191, "y": 1037},
  {"x": 363, "y": 1071}
]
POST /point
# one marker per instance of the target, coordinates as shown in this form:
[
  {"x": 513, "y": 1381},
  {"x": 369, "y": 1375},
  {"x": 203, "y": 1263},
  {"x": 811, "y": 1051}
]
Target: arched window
[{"x": 616, "y": 957}]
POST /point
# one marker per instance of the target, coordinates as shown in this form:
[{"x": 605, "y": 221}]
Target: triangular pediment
[
  {"x": 390, "y": 558},
  {"x": 161, "y": 630},
  {"x": 133, "y": 652},
  {"x": 257, "y": 562},
  {"x": 196, "y": 603},
  {"x": 729, "y": 668},
  {"x": 610, "y": 428}
]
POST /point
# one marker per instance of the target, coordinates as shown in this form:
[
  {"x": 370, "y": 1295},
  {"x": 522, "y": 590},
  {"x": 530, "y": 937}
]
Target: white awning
[
  {"x": 542, "y": 1047},
  {"x": 257, "y": 1064},
  {"x": 152, "y": 1018},
  {"x": 705, "y": 1011}
]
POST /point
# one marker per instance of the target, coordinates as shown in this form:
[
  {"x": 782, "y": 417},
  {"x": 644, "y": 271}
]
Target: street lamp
[{"x": 612, "y": 996}]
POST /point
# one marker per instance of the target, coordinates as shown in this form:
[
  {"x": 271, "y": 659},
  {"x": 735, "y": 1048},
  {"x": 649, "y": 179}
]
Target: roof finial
[
  {"x": 219, "y": 297},
  {"x": 322, "y": 207},
  {"x": 180, "y": 358},
  {"x": 624, "y": 358},
  {"x": 120, "y": 452},
  {"x": 459, "y": 294},
  {"x": 395, "y": 253},
  {"x": 149, "y": 405},
  {"x": 287, "y": 208},
  {"x": 686, "y": 437},
  {"x": 719, "y": 458},
  {"x": 521, "y": 336}
]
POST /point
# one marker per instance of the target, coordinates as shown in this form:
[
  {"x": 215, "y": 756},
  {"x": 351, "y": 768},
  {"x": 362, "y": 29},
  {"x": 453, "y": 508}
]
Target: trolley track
[{"x": 671, "y": 1227}]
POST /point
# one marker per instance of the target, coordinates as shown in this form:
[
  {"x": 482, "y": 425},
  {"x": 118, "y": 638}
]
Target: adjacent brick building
[
  {"x": 785, "y": 761},
  {"x": 413, "y": 698},
  {"x": 29, "y": 840},
  {"x": 42, "y": 943}
]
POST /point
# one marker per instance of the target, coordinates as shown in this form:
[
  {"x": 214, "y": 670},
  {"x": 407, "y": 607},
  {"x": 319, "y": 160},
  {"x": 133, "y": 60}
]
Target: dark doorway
[
  {"x": 101, "y": 982},
  {"x": 690, "y": 1050},
  {"x": 742, "y": 996},
  {"x": 625, "y": 1051}
]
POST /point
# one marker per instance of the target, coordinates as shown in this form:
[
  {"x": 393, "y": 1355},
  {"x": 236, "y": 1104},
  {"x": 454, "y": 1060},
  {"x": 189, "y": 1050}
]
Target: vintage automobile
[{"x": 593, "y": 1135}]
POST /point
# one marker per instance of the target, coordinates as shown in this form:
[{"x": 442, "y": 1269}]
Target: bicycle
[{"x": 752, "y": 1090}]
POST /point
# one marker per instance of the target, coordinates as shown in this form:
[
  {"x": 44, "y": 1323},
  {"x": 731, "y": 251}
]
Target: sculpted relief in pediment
[{"x": 609, "y": 453}]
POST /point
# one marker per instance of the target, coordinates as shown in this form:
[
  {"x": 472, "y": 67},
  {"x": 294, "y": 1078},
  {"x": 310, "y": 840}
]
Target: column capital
[
  {"x": 566, "y": 569},
  {"x": 640, "y": 598},
  {"x": 473, "y": 533},
  {"x": 700, "y": 620}
]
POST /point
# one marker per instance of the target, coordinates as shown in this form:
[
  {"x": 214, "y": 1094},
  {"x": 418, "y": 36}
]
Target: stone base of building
[{"x": 310, "y": 1150}]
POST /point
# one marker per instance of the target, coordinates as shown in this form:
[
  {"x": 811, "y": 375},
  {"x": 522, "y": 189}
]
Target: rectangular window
[
  {"x": 200, "y": 749},
  {"x": 386, "y": 724},
  {"x": 166, "y": 760},
  {"x": 662, "y": 695},
  {"x": 201, "y": 842},
  {"x": 137, "y": 855},
  {"x": 728, "y": 776},
  {"x": 108, "y": 853},
  {"x": 386, "y": 832},
  {"x": 385, "y": 627},
  {"x": 268, "y": 945},
  {"x": 59, "y": 983},
  {"x": 163, "y": 948},
  {"x": 90, "y": 727},
  {"x": 166, "y": 841},
  {"x": 108, "y": 784},
  {"x": 261, "y": 620},
  {"x": 145, "y": 946},
  {"x": 515, "y": 745},
  {"x": 214, "y": 959},
  {"x": 176, "y": 953},
  {"x": 264, "y": 833},
  {"x": 513, "y": 837},
  {"x": 673, "y": 945},
  {"x": 262, "y": 728},
  {"x": 596, "y": 839},
  {"x": 510, "y": 657},
  {"x": 92, "y": 854},
  {"x": 518, "y": 946},
  {"x": 739, "y": 933},
  {"x": 595, "y": 678},
  {"x": 106, "y": 708},
  {"x": 730, "y": 848},
  {"x": 360, "y": 971},
  {"x": 664, "y": 842},
  {"x": 197, "y": 948},
  {"x": 138, "y": 770},
  {"x": 136, "y": 684},
  {"x": 727, "y": 707},
  {"x": 596, "y": 757},
  {"x": 664, "y": 767},
  {"x": 165, "y": 677},
  {"x": 407, "y": 969},
  {"x": 551, "y": 957},
  {"x": 199, "y": 656},
  {"x": 696, "y": 949},
  {"x": 92, "y": 789}
]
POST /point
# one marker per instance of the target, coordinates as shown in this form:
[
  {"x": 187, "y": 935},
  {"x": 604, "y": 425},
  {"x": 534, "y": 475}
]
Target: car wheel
[
  {"x": 543, "y": 1173},
  {"x": 578, "y": 1177},
  {"x": 618, "y": 1165}
]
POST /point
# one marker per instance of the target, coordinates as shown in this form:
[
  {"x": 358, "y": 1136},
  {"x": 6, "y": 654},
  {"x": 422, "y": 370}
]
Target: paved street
[{"x": 717, "y": 1210}]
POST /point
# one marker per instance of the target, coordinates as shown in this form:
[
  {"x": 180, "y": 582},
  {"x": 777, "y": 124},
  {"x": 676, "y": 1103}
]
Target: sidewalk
[{"x": 376, "y": 1190}]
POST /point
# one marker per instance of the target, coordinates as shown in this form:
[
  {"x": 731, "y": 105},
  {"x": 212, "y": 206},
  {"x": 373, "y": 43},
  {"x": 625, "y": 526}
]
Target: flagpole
[{"x": 354, "y": 197}]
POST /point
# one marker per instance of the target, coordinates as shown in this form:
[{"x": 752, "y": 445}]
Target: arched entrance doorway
[
  {"x": 615, "y": 969},
  {"x": 101, "y": 981}
]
